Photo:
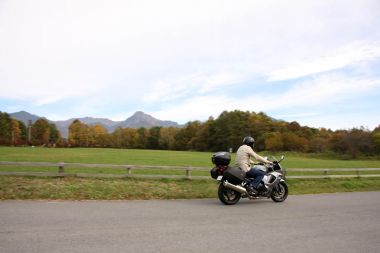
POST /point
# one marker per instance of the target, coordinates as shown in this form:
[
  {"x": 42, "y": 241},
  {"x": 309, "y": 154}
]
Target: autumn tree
[
  {"x": 143, "y": 135},
  {"x": 125, "y": 138},
  {"x": 319, "y": 141},
  {"x": 5, "y": 128},
  {"x": 204, "y": 137},
  {"x": 230, "y": 129},
  {"x": 12, "y": 131},
  {"x": 167, "y": 138},
  {"x": 153, "y": 138},
  {"x": 353, "y": 142},
  {"x": 224, "y": 132},
  {"x": 376, "y": 140},
  {"x": 185, "y": 136},
  {"x": 359, "y": 141},
  {"x": 293, "y": 142},
  {"x": 274, "y": 141},
  {"x": 99, "y": 135},
  {"x": 54, "y": 134},
  {"x": 16, "y": 132},
  {"x": 41, "y": 132},
  {"x": 79, "y": 134}
]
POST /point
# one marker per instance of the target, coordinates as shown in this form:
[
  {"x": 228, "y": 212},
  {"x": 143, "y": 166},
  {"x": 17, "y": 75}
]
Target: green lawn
[
  {"x": 106, "y": 156},
  {"x": 160, "y": 157},
  {"x": 157, "y": 158}
]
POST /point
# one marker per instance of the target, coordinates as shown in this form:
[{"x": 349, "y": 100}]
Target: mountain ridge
[{"x": 137, "y": 120}]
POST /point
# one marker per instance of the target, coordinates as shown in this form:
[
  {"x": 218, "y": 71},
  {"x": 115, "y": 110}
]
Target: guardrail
[
  {"x": 61, "y": 166},
  {"x": 326, "y": 173}
]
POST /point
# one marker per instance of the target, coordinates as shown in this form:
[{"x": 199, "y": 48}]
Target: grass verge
[{"x": 72, "y": 188}]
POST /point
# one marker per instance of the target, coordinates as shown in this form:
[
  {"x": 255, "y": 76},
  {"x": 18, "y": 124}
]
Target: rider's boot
[
  {"x": 252, "y": 191},
  {"x": 261, "y": 188}
]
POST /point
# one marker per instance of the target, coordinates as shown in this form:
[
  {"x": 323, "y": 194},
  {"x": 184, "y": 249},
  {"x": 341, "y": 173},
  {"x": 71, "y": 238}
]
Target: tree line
[
  {"x": 15, "y": 132},
  {"x": 223, "y": 133}
]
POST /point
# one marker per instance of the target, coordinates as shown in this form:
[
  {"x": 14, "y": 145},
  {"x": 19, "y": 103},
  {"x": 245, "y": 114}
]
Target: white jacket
[{"x": 243, "y": 157}]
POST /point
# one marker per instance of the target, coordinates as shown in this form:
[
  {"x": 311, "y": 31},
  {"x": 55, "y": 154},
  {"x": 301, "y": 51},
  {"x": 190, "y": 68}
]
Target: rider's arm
[{"x": 258, "y": 157}]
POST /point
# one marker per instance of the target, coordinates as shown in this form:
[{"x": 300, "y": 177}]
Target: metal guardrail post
[
  {"x": 325, "y": 173},
  {"x": 188, "y": 173},
  {"x": 61, "y": 167},
  {"x": 357, "y": 172},
  {"x": 129, "y": 169}
]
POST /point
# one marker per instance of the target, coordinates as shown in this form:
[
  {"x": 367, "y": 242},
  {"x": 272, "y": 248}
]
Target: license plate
[{"x": 219, "y": 178}]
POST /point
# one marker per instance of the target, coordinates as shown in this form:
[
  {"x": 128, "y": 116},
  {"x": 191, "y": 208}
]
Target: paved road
[{"x": 344, "y": 222}]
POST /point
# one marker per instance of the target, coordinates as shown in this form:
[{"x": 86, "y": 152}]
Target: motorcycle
[{"x": 234, "y": 185}]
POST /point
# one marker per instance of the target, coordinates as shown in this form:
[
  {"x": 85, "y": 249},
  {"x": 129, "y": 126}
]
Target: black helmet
[{"x": 248, "y": 140}]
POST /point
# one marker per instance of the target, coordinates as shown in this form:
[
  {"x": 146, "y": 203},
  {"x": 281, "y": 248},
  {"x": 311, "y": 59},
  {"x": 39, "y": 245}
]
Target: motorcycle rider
[{"x": 243, "y": 161}]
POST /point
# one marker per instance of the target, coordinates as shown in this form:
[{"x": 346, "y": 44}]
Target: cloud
[
  {"x": 344, "y": 120},
  {"x": 196, "y": 108},
  {"x": 186, "y": 59},
  {"x": 300, "y": 115},
  {"x": 210, "y": 83},
  {"x": 323, "y": 91},
  {"x": 349, "y": 55},
  {"x": 191, "y": 85},
  {"x": 312, "y": 96}
]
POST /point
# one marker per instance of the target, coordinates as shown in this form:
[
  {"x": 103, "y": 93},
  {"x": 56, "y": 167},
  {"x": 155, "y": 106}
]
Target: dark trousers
[{"x": 257, "y": 176}]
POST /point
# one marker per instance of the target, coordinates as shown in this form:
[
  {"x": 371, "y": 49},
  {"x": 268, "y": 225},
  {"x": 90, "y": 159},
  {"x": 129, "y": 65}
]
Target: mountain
[
  {"x": 137, "y": 120},
  {"x": 140, "y": 119},
  {"x": 25, "y": 117},
  {"x": 63, "y": 125}
]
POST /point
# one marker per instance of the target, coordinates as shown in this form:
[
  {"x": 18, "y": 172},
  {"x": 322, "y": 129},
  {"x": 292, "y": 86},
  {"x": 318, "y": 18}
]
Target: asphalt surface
[{"x": 342, "y": 222}]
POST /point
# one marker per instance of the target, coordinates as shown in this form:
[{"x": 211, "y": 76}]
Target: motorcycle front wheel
[
  {"x": 280, "y": 192},
  {"x": 228, "y": 196}
]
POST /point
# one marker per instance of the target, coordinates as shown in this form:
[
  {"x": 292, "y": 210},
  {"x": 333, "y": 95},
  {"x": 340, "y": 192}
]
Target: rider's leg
[
  {"x": 261, "y": 187},
  {"x": 257, "y": 175}
]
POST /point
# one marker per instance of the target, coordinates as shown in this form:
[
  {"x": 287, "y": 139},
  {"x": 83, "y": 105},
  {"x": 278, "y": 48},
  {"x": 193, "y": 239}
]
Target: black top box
[{"x": 221, "y": 158}]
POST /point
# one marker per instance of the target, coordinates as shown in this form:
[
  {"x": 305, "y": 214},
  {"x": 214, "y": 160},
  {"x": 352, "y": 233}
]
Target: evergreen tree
[{"x": 5, "y": 128}]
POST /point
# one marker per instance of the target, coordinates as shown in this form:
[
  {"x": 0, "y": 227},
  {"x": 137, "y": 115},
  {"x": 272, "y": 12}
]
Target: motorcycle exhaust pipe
[{"x": 235, "y": 187}]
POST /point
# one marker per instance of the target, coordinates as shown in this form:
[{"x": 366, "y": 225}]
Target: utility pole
[
  {"x": 13, "y": 137},
  {"x": 29, "y": 131}
]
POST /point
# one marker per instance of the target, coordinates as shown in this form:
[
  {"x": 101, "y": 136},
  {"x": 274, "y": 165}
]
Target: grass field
[
  {"x": 160, "y": 157},
  {"x": 157, "y": 158},
  {"x": 96, "y": 188},
  {"x": 106, "y": 156}
]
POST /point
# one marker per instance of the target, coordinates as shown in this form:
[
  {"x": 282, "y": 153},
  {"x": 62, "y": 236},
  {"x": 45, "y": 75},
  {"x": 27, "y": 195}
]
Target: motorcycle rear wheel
[
  {"x": 280, "y": 192},
  {"x": 228, "y": 196}
]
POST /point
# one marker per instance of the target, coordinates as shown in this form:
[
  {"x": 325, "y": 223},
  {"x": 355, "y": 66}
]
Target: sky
[{"x": 314, "y": 62}]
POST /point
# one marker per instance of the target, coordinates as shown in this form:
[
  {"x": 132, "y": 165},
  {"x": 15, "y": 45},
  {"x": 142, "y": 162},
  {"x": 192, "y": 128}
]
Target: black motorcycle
[{"x": 235, "y": 185}]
